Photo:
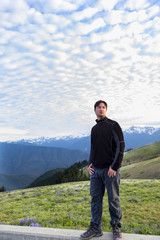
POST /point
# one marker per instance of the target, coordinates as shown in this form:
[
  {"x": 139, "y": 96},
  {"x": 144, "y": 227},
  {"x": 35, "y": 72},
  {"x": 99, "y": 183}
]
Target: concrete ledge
[{"x": 10, "y": 232}]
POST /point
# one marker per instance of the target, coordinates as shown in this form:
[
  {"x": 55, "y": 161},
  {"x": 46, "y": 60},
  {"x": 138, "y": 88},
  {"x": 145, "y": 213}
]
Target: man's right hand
[{"x": 90, "y": 169}]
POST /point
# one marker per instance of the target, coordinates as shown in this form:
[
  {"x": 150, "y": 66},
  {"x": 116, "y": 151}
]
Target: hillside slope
[
  {"x": 60, "y": 175},
  {"x": 16, "y": 159},
  {"x": 149, "y": 169},
  {"x": 141, "y": 154},
  {"x": 18, "y": 162},
  {"x": 44, "y": 179},
  {"x": 11, "y": 182},
  {"x": 141, "y": 163}
]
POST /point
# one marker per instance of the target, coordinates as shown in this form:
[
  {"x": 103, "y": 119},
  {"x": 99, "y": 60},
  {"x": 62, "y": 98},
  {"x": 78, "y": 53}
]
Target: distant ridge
[
  {"x": 72, "y": 174},
  {"x": 30, "y": 159},
  {"x": 25, "y": 160},
  {"x": 37, "y": 156},
  {"x": 12, "y": 182},
  {"x": 134, "y": 136},
  {"x": 140, "y": 163}
]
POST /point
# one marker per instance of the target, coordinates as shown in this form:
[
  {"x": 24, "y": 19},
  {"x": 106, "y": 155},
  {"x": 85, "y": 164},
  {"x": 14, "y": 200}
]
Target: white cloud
[
  {"x": 14, "y": 131},
  {"x": 31, "y": 46},
  {"x": 37, "y": 16},
  {"x": 153, "y": 45},
  {"x": 85, "y": 28},
  {"x": 155, "y": 24},
  {"x": 154, "y": 11},
  {"x": 16, "y": 5},
  {"x": 107, "y": 5},
  {"x": 96, "y": 55},
  {"x": 60, "y": 5},
  {"x": 61, "y": 45},
  {"x": 136, "y": 4},
  {"x": 115, "y": 17},
  {"x": 58, "y": 20},
  {"x": 55, "y": 65},
  {"x": 125, "y": 17},
  {"x": 86, "y": 13},
  {"x": 135, "y": 28},
  {"x": 50, "y": 28}
]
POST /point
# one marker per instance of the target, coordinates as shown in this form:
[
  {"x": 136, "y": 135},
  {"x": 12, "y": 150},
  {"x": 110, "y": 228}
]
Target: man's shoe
[
  {"x": 91, "y": 232},
  {"x": 117, "y": 233}
]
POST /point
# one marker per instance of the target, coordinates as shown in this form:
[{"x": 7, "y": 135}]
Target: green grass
[
  {"x": 68, "y": 206},
  {"x": 140, "y": 154},
  {"x": 140, "y": 163},
  {"x": 148, "y": 169}
]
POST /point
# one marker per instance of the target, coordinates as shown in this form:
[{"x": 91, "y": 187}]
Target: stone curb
[{"x": 10, "y": 232}]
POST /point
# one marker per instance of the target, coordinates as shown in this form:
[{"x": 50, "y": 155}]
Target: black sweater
[{"x": 107, "y": 144}]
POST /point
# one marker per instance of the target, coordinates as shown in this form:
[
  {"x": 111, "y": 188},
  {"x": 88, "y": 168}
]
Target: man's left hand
[{"x": 111, "y": 173}]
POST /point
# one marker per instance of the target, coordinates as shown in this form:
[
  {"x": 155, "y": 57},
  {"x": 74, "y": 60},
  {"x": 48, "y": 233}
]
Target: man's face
[{"x": 100, "y": 111}]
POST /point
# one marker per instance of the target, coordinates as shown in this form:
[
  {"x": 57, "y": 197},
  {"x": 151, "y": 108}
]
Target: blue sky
[{"x": 58, "y": 57}]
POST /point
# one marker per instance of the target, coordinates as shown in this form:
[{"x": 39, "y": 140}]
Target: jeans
[{"x": 98, "y": 181}]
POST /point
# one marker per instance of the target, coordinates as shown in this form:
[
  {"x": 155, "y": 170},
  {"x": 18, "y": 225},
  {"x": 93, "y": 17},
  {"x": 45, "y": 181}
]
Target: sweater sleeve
[
  {"x": 91, "y": 151},
  {"x": 120, "y": 146},
  {"x": 90, "y": 159}
]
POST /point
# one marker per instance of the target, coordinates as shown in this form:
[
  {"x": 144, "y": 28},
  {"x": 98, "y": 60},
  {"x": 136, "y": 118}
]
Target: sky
[{"x": 58, "y": 57}]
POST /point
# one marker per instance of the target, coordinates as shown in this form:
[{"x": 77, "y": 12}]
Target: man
[{"x": 107, "y": 147}]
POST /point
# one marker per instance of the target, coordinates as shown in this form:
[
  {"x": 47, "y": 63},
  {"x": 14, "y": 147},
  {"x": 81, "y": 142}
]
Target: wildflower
[
  {"x": 61, "y": 192},
  {"x": 21, "y": 222},
  {"x": 136, "y": 230},
  {"x": 34, "y": 225},
  {"x": 32, "y": 220},
  {"x": 25, "y": 220}
]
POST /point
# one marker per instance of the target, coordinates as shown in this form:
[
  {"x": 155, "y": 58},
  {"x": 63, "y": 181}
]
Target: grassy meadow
[
  {"x": 68, "y": 206},
  {"x": 140, "y": 163}
]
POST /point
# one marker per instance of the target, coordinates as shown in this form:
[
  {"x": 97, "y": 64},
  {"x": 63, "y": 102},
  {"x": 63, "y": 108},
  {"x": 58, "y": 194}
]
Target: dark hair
[{"x": 98, "y": 102}]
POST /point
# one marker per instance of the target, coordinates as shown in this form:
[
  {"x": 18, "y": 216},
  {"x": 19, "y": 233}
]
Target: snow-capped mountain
[
  {"x": 33, "y": 157},
  {"x": 148, "y": 130},
  {"x": 69, "y": 142},
  {"x": 140, "y": 136},
  {"x": 134, "y": 137}
]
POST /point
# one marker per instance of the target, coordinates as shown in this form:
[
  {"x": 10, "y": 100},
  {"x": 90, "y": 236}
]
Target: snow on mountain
[
  {"x": 134, "y": 129},
  {"x": 134, "y": 136},
  {"x": 42, "y": 140}
]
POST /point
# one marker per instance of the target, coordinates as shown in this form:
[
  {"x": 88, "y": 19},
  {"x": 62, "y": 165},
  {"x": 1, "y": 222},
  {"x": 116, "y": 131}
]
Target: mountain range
[
  {"x": 139, "y": 163},
  {"x": 21, "y": 164},
  {"x": 23, "y": 161},
  {"x": 135, "y": 137}
]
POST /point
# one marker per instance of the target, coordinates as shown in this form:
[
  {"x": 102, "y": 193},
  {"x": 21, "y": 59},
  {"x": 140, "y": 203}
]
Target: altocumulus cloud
[{"x": 58, "y": 57}]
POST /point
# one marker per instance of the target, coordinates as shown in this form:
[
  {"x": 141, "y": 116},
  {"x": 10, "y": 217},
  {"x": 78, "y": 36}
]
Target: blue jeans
[{"x": 98, "y": 181}]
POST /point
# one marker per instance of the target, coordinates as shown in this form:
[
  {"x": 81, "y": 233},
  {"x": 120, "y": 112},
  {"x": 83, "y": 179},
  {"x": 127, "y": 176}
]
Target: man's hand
[
  {"x": 90, "y": 169},
  {"x": 111, "y": 173}
]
